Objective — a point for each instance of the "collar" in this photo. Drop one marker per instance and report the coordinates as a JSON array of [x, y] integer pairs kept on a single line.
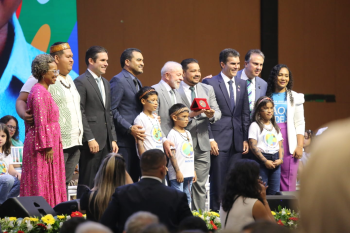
[[93, 74], [167, 87], [22, 55], [187, 87], [245, 77], [227, 79], [131, 75], [151, 177]]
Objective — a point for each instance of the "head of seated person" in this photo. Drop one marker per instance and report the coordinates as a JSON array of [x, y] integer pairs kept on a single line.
[[155, 228], [193, 223], [92, 227], [71, 225], [262, 226], [153, 163], [139, 221], [12, 125]]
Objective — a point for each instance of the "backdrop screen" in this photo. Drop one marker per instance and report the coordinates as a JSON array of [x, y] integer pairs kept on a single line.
[[27, 29]]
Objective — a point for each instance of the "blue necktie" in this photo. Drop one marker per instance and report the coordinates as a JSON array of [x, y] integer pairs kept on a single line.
[[232, 97]]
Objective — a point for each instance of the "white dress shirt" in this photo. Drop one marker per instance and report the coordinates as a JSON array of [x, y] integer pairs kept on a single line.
[[188, 92], [168, 88], [226, 80], [245, 77], [102, 85]]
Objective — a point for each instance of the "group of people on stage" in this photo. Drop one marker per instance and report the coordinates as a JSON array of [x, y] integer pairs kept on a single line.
[[83, 120]]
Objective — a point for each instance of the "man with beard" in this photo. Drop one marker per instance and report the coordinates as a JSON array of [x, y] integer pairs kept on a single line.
[[199, 126]]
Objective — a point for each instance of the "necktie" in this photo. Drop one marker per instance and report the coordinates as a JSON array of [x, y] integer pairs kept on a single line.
[[172, 96], [98, 80], [250, 96], [232, 97], [193, 94], [136, 84]]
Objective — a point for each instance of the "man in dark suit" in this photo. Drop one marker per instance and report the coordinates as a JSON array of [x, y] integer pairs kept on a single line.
[[126, 108], [95, 102], [149, 194], [256, 86], [231, 131], [199, 126]]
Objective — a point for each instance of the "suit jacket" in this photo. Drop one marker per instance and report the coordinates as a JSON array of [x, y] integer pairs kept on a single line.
[[199, 126], [233, 125], [96, 117], [150, 195], [164, 103], [125, 106], [260, 85]]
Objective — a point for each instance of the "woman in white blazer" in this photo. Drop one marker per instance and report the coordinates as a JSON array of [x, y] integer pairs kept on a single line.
[[289, 113]]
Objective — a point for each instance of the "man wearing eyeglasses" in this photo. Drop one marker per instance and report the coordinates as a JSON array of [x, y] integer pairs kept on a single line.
[[67, 99]]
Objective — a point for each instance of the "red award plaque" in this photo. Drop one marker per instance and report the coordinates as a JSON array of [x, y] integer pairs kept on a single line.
[[199, 104]]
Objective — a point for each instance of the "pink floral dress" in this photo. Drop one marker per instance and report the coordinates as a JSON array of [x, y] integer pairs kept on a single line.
[[39, 177]]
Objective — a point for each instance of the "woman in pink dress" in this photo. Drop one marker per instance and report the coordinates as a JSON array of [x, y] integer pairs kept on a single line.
[[43, 168]]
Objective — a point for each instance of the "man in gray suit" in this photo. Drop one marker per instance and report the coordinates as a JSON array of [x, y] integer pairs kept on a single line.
[[256, 86], [99, 136], [167, 94], [199, 126]]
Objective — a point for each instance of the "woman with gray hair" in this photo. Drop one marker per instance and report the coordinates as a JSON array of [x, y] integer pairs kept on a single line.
[[43, 168]]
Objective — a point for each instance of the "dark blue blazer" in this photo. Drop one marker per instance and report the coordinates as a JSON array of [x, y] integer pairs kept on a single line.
[[233, 125], [125, 106]]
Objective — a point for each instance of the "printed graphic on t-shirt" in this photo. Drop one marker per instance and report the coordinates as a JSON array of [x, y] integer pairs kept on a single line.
[[156, 134], [270, 140], [187, 150], [3, 168]]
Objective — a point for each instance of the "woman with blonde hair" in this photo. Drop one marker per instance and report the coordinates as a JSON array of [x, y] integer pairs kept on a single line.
[[111, 174]]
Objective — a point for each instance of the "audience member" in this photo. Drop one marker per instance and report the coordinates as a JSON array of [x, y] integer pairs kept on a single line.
[[149, 121], [231, 131], [199, 126], [263, 226], [92, 227], [171, 74], [265, 141], [244, 197], [125, 108], [193, 223], [12, 125], [9, 177], [156, 228], [43, 164], [95, 102], [149, 194], [139, 221], [324, 191], [289, 114], [181, 165], [71, 225], [67, 98], [308, 137], [112, 174]]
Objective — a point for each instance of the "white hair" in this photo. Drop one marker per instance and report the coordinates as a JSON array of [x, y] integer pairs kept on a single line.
[[139, 220], [170, 66], [92, 227]]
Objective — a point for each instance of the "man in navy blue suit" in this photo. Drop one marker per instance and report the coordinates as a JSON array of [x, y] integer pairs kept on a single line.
[[126, 108], [231, 131]]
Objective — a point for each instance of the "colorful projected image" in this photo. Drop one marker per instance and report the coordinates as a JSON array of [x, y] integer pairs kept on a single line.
[[27, 29]]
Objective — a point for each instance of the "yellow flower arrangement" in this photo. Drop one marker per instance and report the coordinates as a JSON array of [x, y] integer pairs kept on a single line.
[[34, 219], [61, 217], [12, 218], [48, 219], [273, 213], [215, 214]]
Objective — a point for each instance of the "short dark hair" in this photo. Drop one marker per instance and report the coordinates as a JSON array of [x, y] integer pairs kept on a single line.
[[151, 160], [71, 225], [143, 90], [253, 51], [224, 54], [187, 61], [155, 228], [127, 54], [174, 108], [58, 53], [193, 223], [92, 53], [263, 226], [6, 119]]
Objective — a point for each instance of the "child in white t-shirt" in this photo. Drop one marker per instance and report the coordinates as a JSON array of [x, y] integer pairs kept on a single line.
[[9, 177], [181, 165], [149, 121], [265, 141]]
